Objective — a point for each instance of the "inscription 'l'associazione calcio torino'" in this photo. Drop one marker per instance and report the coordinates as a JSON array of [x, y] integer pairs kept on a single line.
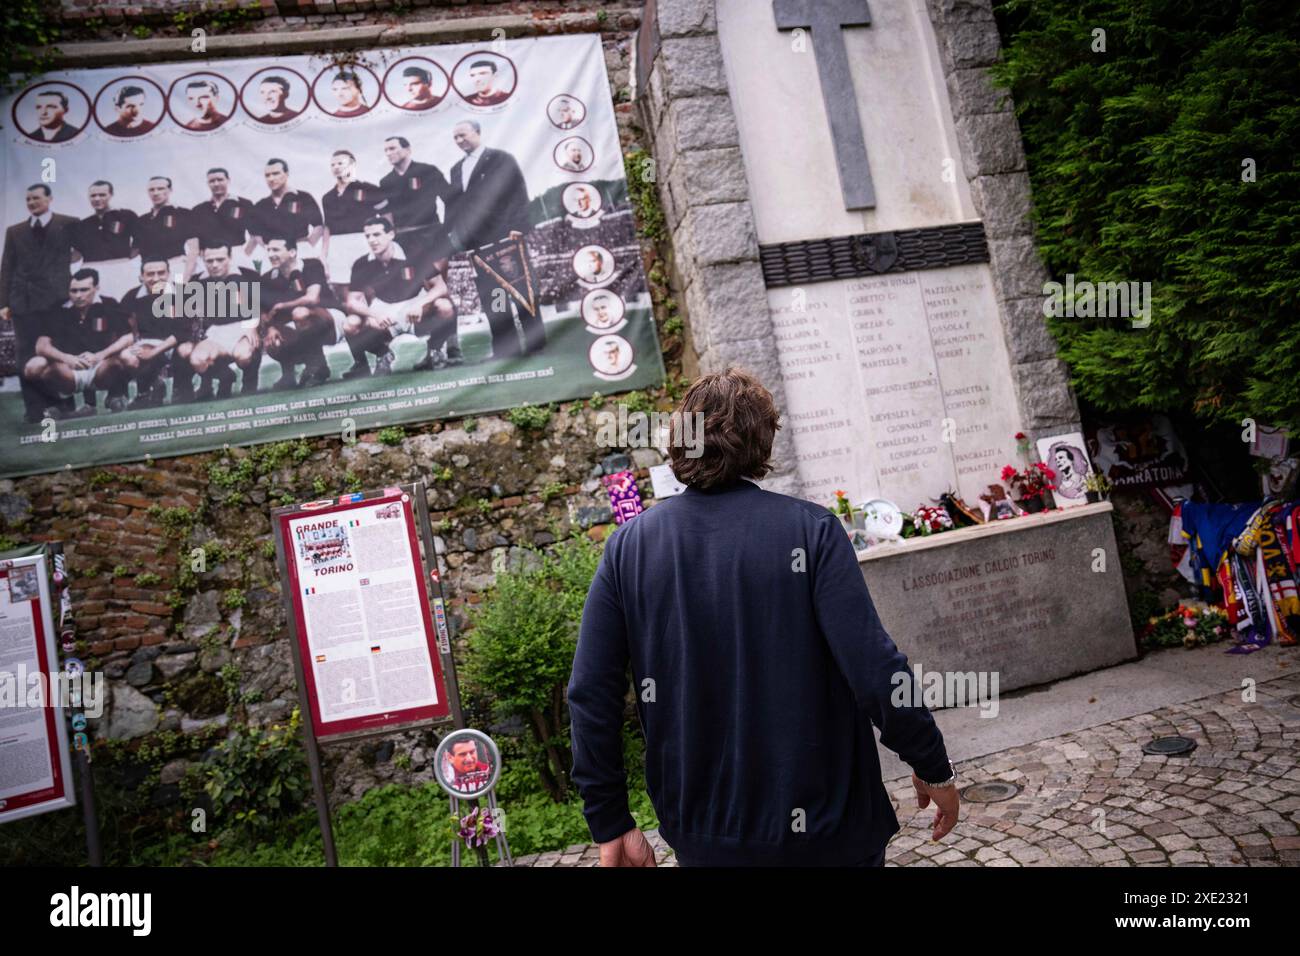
[[979, 570]]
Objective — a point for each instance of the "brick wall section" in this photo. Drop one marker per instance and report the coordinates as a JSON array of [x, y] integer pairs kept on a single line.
[[275, 15]]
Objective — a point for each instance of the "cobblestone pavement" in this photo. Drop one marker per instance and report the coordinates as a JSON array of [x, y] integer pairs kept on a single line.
[[1093, 798]]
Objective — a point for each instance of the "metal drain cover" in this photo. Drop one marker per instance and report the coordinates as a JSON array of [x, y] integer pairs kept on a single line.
[[995, 791], [1169, 746]]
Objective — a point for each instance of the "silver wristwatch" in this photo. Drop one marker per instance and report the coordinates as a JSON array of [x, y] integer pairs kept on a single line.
[[950, 782]]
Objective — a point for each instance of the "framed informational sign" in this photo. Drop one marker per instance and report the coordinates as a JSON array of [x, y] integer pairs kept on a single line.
[[363, 634], [35, 769]]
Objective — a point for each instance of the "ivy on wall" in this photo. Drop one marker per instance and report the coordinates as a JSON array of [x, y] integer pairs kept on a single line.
[[28, 29], [1169, 157]]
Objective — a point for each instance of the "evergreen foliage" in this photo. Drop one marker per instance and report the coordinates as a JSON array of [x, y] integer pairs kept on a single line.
[[1136, 163]]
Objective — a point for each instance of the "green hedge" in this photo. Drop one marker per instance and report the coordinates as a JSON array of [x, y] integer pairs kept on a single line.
[[1135, 159]]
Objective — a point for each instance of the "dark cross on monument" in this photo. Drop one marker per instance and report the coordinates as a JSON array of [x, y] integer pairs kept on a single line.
[[824, 19]]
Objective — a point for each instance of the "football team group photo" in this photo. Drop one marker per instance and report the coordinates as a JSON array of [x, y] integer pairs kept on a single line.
[[343, 219]]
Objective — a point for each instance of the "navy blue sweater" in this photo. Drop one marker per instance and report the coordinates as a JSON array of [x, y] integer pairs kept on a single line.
[[759, 665]]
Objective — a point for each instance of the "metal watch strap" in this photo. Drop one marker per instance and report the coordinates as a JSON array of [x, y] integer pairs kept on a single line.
[[950, 782]]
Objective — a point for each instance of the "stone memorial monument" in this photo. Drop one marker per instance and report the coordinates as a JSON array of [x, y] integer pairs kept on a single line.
[[849, 207]]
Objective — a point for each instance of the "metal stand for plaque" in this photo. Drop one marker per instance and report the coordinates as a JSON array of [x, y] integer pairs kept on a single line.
[[80, 755], [432, 581], [503, 846], [487, 792]]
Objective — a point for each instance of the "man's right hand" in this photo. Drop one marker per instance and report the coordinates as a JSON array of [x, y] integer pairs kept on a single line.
[[631, 849], [4, 313], [947, 805]]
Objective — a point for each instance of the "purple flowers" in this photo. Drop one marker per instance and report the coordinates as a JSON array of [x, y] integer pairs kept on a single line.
[[477, 827]]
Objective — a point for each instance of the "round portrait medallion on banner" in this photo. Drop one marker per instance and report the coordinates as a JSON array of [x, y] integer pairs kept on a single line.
[[346, 92], [611, 357], [467, 763], [275, 95], [201, 102], [574, 154], [51, 112], [485, 79], [582, 204], [416, 83], [594, 265], [129, 106], [603, 311], [566, 111]]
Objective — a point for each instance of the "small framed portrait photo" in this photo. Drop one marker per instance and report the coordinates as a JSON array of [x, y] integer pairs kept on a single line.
[[566, 111], [603, 311], [275, 95], [202, 102], [51, 112], [416, 83], [467, 763], [346, 91], [594, 265], [610, 356], [574, 154], [1068, 459], [582, 203], [130, 106], [485, 79]]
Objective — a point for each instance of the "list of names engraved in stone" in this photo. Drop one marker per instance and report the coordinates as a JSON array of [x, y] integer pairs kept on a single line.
[[897, 386]]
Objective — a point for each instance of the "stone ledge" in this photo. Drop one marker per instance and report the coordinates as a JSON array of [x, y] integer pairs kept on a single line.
[[407, 33], [959, 535]]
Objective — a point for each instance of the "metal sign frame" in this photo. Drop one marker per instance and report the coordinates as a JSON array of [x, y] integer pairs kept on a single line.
[[62, 795], [433, 609]]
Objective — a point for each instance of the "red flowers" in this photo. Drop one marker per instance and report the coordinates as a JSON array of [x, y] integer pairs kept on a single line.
[[1032, 482]]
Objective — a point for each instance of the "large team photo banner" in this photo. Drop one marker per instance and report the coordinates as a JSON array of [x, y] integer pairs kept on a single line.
[[225, 252]]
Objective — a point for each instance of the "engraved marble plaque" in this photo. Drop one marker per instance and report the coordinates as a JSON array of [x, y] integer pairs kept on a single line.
[[897, 386]]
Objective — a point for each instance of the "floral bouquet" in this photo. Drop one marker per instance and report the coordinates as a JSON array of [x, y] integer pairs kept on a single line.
[[1191, 624], [851, 518], [842, 507], [476, 828], [927, 519], [1032, 482]]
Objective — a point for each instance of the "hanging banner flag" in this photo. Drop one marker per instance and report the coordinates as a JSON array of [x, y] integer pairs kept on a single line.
[[237, 251], [624, 496]]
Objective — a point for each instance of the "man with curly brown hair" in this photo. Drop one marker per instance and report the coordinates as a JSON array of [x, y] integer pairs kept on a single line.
[[759, 663]]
